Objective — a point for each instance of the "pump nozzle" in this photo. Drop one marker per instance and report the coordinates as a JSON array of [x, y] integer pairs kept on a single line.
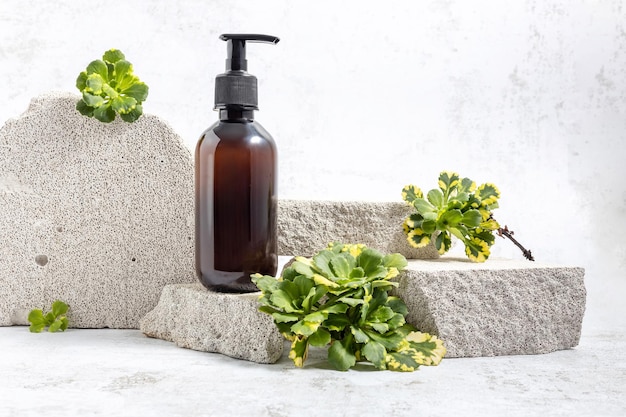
[[236, 60], [236, 87]]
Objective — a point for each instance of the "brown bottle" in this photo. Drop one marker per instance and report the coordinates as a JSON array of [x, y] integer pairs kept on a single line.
[[235, 183]]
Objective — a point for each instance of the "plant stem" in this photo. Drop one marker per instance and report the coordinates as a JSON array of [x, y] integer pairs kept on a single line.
[[505, 232]]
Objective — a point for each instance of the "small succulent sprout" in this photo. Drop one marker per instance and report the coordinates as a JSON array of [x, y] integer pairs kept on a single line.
[[457, 208], [109, 87], [55, 320]]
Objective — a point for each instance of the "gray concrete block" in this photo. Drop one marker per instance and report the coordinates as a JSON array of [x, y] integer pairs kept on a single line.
[[500, 307], [306, 227], [193, 317], [97, 215]]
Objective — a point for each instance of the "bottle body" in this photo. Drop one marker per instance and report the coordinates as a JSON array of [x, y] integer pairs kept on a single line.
[[235, 203]]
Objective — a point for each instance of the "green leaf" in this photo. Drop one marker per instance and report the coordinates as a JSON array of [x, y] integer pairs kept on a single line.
[[448, 181], [352, 302], [418, 239], [316, 317], [477, 250], [335, 308], [94, 84], [305, 328], [341, 266], [443, 242], [109, 91], [357, 272], [98, 67], [36, 317], [381, 314], [320, 338], [451, 218], [133, 115], [425, 349], [390, 340], [64, 323], [336, 322], [321, 261], [359, 335], [375, 353], [104, 113], [49, 318], [370, 260], [81, 80], [303, 269], [410, 193], [414, 220], [303, 285], [113, 55], [320, 280], [340, 356], [423, 206], [36, 328], [285, 318], [467, 186], [123, 105], [429, 226], [461, 197], [380, 327], [59, 308], [395, 260], [401, 361], [121, 68], [282, 300], [299, 350], [397, 305], [472, 218], [138, 91], [84, 109], [265, 283], [396, 321], [92, 101], [487, 194], [55, 326], [435, 196]]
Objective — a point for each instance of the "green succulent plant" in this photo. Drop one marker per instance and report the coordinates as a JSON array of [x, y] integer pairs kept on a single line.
[[457, 208], [55, 320], [341, 297], [109, 87]]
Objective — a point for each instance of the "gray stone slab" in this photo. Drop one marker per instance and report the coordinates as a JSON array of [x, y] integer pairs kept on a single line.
[[98, 215], [500, 307], [193, 317], [306, 227]]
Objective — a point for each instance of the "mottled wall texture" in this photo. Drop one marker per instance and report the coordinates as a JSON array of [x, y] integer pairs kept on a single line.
[[365, 97]]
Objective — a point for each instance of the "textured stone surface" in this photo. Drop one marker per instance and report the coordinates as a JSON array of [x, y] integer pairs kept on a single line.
[[306, 227], [501, 307], [98, 215], [195, 318]]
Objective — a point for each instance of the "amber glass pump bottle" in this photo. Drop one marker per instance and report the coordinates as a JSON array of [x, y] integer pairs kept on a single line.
[[236, 182]]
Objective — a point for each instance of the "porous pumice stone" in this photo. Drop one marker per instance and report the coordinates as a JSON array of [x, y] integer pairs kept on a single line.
[[305, 227], [97, 215], [193, 317], [500, 307]]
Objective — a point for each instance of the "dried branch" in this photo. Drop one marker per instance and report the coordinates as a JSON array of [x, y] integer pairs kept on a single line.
[[505, 232]]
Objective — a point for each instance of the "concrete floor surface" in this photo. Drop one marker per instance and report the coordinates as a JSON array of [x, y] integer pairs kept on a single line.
[[123, 373]]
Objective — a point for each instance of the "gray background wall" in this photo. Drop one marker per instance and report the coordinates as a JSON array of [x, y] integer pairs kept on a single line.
[[365, 97]]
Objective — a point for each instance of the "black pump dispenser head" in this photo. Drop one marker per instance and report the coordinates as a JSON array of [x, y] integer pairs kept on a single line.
[[236, 87]]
